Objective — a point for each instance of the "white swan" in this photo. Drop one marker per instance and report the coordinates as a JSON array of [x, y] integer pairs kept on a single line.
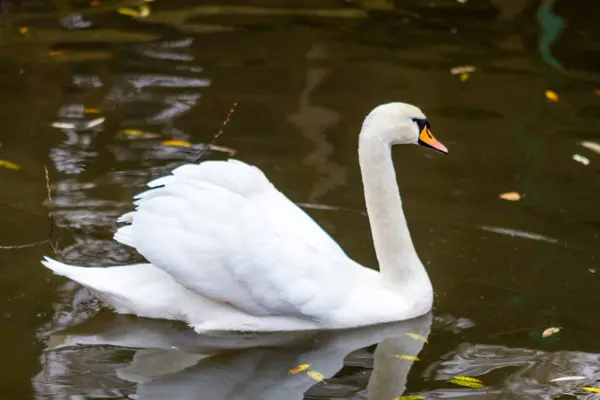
[[229, 252]]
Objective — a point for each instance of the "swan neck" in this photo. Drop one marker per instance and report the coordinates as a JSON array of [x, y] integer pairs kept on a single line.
[[398, 260]]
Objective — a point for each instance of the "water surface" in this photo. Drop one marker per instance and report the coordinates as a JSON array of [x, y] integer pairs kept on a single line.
[[304, 74]]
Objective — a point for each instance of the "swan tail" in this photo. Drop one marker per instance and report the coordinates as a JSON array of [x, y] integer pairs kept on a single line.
[[140, 289]]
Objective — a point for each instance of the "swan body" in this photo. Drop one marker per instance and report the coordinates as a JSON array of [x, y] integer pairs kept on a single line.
[[227, 251]]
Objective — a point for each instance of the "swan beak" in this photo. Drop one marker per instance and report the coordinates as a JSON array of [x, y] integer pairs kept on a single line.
[[426, 139]]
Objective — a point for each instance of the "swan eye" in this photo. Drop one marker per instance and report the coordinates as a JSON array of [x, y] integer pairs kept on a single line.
[[421, 123]]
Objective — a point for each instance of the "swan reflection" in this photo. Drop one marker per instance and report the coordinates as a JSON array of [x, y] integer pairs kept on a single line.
[[152, 359]]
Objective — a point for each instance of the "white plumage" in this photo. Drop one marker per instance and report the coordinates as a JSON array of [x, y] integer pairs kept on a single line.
[[228, 251]]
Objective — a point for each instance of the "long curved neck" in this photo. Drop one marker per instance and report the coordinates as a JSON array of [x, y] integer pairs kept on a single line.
[[398, 260]]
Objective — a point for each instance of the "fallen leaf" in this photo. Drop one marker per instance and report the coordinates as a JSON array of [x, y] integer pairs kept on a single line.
[[95, 3], [552, 96], [593, 146], [177, 143], [9, 165], [407, 357], [298, 369], [550, 331], [462, 69], [144, 10], [55, 53], [409, 398], [63, 125], [416, 336], [568, 378], [597, 91], [467, 381], [592, 389], [581, 159], [91, 110], [23, 30], [317, 376], [95, 122], [139, 133], [128, 11], [510, 196], [222, 149], [464, 76]]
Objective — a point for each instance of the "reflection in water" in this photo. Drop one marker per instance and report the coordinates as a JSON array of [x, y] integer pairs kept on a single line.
[[313, 122], [168, 360]]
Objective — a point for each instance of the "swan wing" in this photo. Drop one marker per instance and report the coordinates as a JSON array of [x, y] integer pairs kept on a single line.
[[221, 229]]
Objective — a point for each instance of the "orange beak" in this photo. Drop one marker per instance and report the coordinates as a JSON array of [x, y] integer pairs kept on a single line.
[[426, 139]]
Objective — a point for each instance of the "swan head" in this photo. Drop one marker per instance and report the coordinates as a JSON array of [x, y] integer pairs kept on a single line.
[[400, 123]]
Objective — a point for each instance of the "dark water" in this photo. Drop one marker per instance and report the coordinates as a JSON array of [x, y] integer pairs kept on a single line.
[[304, 74]]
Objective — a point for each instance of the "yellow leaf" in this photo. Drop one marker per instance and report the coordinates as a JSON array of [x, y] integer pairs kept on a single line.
[[510, 196], [409, 398], [551, 95], [298, 369], [91, 111], [597, 91], [467, 381], [54, 53], [9, 165], [95, 3], [593, 146], [464, 76], [407, 357], [23, 30], [462, 69], [179, 143], [592, 389], [416, 336], [128, 11], [550, 331], [144, 10], [467, 378], [317, 376]]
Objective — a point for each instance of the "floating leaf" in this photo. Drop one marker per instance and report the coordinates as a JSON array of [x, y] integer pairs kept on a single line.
[[317, 376], [462, 69], [407, 357], [89, 110], [416, 336], [597, 91], [139, 133], [593, 146], [551, 95], [464, 76], [95, 3], [128, 11], [510, 196], [54, 53], [592, 389], [222, 149], [63, 125], [177, 143], [23, 30], [299, 368], [9, 165], [581, 159], [95, 122], [550, 331], [144, 10], [568, 378], [409, 398], [467, 381]]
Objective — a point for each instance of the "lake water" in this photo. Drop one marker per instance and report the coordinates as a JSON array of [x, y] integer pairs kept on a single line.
[[92, 94]]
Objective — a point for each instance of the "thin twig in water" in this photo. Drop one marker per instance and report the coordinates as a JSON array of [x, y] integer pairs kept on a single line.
[[212, 145], [52, 225], [227, 119], [50, 214]]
